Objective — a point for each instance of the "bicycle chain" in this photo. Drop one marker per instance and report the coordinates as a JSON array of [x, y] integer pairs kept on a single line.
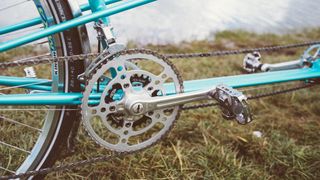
[[149, 52], [241, 51], [48, 60]]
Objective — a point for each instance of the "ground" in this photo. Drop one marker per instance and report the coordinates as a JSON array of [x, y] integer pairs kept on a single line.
[[203, 145]]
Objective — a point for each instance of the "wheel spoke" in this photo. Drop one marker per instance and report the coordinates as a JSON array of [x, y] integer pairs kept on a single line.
[[6, 169], [14, 147], [25, 85], [19, 123], [33, 57], [41, 43]]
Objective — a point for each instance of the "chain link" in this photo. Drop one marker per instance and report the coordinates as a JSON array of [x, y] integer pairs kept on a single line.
[[241, 51], [48, 60], [61, 167]]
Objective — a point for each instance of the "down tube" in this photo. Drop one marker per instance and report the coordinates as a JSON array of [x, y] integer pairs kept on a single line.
[[190, 86]]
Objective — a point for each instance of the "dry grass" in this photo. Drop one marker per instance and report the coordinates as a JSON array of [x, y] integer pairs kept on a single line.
[[204, 146]]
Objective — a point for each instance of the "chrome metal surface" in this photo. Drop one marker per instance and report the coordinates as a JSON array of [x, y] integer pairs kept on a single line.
[[251, 62], [282, 66], [126, 131], [105, 33], [233, 104], [148, 104], [311, 54]]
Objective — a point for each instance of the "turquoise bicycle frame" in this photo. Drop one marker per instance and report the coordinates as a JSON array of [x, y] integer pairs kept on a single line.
[[101, 11]]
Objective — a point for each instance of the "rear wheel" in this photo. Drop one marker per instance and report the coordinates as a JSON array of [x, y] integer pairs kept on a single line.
[[57, 130]]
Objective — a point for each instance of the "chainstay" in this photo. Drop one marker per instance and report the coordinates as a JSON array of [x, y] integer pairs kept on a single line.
[[48, 60]]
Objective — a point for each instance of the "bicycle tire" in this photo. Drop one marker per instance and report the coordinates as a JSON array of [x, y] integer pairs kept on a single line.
[[60, 126]]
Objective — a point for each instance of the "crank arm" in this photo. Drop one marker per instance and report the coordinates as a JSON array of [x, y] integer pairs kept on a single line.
[[232, 102], [139, 107], [282, 66], [252, 63]]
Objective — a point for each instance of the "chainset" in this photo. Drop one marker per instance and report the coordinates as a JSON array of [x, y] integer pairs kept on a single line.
[[105, 115]]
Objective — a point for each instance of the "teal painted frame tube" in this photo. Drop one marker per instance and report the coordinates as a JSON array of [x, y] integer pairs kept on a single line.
[[87, 7], [37, 21], [99, 5], [26, 83], [20, 26], [121, 7], [238, 81], [96, 6]]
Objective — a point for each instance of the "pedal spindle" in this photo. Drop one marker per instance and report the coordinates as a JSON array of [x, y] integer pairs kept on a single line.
[[233, 104]]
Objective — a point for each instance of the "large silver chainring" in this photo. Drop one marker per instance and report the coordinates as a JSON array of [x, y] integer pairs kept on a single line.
[[122, 132]]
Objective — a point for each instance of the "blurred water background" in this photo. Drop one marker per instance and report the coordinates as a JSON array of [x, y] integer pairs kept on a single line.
[[173, 21]]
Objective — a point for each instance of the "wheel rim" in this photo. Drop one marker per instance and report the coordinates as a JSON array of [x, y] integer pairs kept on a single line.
[[45, 140]]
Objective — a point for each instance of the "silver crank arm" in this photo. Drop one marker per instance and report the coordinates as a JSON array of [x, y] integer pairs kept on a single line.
[[282, 66], [153, 103], [232, 102], [252, 63]]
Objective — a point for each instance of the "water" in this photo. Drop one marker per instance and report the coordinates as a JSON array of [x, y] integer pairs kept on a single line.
[[179, 20], [174, 21]]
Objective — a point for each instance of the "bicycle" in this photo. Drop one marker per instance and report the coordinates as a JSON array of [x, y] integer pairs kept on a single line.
[[129, 99]]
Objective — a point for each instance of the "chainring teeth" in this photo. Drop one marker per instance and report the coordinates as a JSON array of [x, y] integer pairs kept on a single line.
[[146, 122]]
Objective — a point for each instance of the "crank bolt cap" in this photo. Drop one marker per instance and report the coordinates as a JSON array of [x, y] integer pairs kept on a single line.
[[137, 108]]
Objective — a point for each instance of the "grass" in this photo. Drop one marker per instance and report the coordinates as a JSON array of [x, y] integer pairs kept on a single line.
[[202, 145]]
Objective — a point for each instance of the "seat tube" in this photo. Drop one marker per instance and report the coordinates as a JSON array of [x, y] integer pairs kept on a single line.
[[98, 5]]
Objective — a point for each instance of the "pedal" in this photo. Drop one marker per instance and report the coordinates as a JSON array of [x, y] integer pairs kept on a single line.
[[233, 104], [252, 62]]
